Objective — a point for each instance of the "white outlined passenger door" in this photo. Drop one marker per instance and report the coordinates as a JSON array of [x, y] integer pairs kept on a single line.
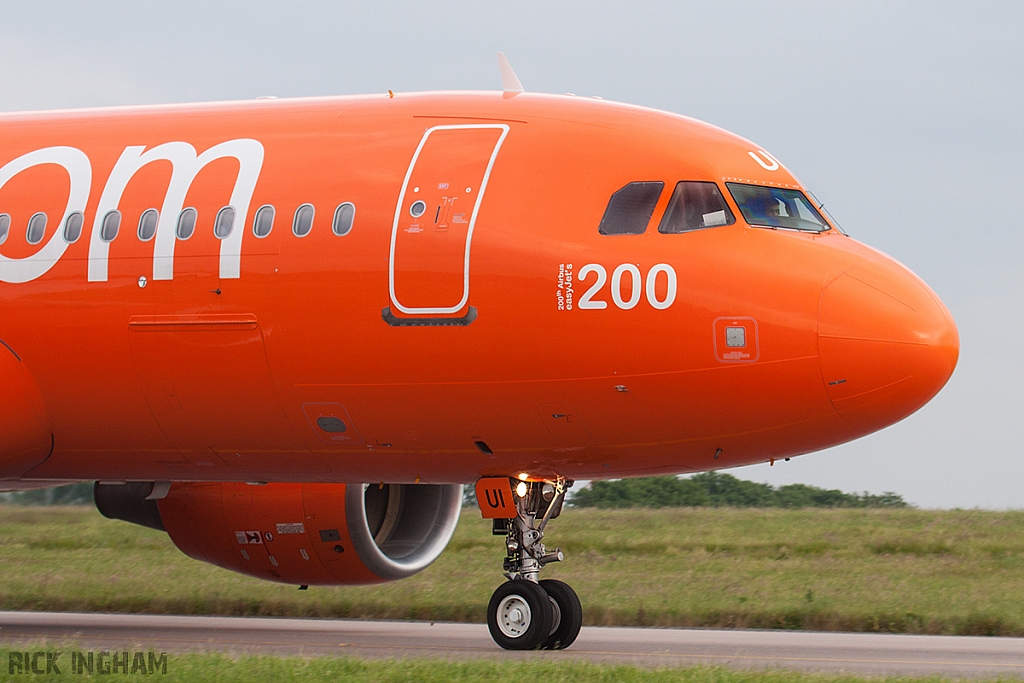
[[428, 276]]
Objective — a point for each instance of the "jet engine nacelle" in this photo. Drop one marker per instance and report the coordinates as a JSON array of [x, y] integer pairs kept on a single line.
[[305, 534]]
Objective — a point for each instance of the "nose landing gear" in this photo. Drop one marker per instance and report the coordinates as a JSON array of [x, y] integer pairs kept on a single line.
[[526, 613]]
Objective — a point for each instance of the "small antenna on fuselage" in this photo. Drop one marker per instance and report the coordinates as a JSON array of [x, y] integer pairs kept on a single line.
[[509, 81]]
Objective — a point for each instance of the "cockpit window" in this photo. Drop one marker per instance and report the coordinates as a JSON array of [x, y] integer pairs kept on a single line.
[[825, 212], [695, 205], [630, 208], [774, 207]]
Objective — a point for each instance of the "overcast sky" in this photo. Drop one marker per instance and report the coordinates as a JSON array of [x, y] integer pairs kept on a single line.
[[905, 118]]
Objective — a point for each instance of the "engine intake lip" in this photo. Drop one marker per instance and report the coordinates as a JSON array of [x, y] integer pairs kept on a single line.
[[423, 519]]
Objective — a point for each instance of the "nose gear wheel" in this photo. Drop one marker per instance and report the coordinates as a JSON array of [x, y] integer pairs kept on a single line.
[[519, 615], [570, 613]]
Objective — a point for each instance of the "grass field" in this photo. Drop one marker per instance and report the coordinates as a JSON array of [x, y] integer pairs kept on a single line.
[[225, 669], [955, 572]]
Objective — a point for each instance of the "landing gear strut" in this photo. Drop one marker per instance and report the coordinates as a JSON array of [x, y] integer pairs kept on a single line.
[[526, 613]]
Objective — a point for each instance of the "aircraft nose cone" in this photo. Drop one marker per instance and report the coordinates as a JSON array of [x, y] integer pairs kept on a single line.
[[886, 344]]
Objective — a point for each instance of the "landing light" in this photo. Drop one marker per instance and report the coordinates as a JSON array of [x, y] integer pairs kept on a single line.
[[521, 489]]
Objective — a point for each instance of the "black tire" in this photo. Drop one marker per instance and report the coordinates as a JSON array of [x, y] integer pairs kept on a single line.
[[570, 617], [519, 615]]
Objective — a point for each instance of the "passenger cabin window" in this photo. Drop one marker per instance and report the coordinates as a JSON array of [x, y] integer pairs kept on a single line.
[[263, 223], [344, 216], [303, 222], [186, 223], [36, 228], [5, 226], [630, 208], [73, 227], [110, 226], [774, 207], [147, 224], [224, 223], [695, 205]]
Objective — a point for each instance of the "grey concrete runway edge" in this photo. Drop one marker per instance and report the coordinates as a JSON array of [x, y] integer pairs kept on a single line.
[[864, 653]]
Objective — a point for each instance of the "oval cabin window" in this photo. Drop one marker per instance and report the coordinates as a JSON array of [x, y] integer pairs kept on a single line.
[[110, 226], [147, 224], [344, 216], [73, 227], [186, 223], [36, 228], [303, 222], [263, 223], [224, 223]]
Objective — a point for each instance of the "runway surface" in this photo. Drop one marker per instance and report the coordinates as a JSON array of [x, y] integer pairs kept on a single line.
[[854, 652]]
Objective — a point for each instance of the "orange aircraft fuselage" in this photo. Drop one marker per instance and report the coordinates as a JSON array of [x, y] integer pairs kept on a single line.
[[452, 311]]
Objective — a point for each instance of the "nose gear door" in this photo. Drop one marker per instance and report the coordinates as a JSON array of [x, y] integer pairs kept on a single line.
[[428, 274]]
